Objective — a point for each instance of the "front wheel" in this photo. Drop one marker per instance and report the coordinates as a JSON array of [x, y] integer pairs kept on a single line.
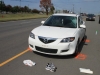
[[76, 49]]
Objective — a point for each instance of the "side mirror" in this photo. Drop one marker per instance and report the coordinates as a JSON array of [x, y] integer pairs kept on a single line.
[[83, 22], [82, 26], [42, 22]]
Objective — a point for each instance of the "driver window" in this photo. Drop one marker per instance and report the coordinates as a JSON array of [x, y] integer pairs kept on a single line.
[[79, 22]]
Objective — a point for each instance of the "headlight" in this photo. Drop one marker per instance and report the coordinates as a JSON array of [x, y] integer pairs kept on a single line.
[[70, 39], [32, 35]]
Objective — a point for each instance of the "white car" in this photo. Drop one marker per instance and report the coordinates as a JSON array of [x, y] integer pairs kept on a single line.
[[60, 34]]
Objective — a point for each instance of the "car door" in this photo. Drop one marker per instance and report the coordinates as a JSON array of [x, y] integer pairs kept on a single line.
[[81, 30]]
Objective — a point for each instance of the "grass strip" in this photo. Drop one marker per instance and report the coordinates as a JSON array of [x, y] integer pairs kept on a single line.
[[21, 16]]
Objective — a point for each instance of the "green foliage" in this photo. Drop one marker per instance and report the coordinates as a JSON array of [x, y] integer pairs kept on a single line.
[[15, 9], [8, 8], [35, 11], [52, 9], [2, 6]]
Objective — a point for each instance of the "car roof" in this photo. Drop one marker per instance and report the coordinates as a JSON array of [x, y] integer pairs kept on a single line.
[[65, 14]]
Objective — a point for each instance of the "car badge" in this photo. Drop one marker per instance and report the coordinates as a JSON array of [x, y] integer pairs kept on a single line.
[[45, 40]]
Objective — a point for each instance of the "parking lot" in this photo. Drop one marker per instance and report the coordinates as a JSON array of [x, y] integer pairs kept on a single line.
[[14, 50]]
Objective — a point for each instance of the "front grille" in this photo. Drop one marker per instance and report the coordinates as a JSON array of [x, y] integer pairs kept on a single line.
[[49, 41], [46, 50], [46, 40]]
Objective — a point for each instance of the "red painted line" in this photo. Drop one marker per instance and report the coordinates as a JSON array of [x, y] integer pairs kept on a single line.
[[14, 57], [81, 56], [29, 49], [86, 41]]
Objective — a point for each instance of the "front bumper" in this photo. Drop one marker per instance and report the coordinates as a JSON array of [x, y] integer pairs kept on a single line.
[[55, 48], [90, 19]]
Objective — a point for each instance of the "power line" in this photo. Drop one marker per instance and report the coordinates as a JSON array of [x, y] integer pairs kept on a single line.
[[23, 1], [77, 2]]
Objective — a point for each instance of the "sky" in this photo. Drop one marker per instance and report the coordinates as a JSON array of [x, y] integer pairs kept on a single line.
[[87, 6]]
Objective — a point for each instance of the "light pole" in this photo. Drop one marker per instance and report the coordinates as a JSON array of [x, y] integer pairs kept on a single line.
[[20, 3], [73, 8], [80, 10]]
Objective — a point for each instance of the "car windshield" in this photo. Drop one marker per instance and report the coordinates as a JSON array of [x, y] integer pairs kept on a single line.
[[61, 21]]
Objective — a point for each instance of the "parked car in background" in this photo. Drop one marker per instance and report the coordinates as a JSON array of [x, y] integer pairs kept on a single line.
[[60, 34], [90, 17]]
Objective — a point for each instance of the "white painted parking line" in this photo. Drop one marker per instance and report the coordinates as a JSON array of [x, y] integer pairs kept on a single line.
[[83, 70]]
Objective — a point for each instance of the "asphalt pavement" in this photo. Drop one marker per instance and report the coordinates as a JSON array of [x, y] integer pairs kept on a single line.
[[14, 44]]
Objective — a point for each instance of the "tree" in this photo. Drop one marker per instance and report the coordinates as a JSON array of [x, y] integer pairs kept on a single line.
[[35, 11], [8, 8], [16, 9], [22, 9], [2, 6], [46, 4], [52, 8], [26, 9]]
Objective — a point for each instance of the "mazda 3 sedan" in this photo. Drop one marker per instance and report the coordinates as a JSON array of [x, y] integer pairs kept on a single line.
[[60, 34]]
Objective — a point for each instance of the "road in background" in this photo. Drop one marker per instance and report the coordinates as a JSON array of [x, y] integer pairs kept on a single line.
[[14, 39]]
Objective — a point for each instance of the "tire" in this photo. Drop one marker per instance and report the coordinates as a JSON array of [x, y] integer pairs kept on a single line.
[[76, 49], [84, 37]]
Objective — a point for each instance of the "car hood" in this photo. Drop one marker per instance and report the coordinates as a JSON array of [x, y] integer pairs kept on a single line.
[[54, 32]]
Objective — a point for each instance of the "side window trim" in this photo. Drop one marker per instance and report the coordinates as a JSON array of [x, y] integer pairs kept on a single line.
[[79, 22]]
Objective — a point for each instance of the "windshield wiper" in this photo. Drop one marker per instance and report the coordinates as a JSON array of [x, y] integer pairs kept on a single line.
[[59, 26], [46, 25]]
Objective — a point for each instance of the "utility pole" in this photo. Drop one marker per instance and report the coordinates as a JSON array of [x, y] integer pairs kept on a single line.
[[20, 3], [80, 10], [28, 5], [73, 8]]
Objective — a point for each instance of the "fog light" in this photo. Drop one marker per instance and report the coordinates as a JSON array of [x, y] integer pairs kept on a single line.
[[31, 45], [64, 50]]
